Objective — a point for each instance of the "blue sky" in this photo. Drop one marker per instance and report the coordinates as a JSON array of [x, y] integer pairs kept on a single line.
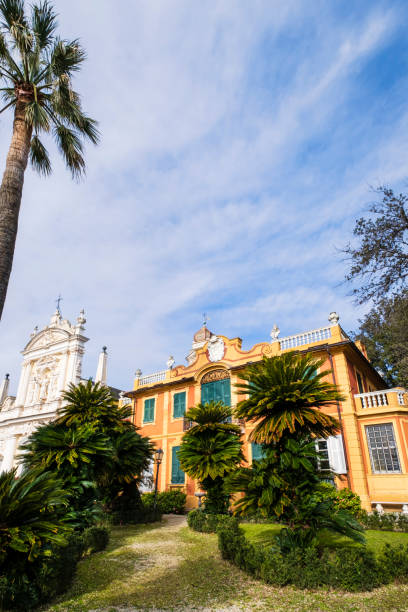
[[239, 143]]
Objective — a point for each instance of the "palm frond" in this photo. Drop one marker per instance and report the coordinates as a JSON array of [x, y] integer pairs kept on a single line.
[[285, 396], [39, 158], [8, 66], [7, 106], [36, 68], [71, 148], [66, 103], [43, 23], [16, 23], [212, 447], [66, 57], [36, 115]]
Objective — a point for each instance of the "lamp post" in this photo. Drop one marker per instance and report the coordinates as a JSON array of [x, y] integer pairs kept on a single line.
[[158, 455]]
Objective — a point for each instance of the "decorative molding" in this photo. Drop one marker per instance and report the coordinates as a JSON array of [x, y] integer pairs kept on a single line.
[[216, 349], [267, 350], [213, 375]]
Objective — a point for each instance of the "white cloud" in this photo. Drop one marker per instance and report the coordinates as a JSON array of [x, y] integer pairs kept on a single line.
[[223, 182]]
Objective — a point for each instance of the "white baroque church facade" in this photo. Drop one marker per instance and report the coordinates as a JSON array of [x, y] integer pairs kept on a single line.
[[52, 359]]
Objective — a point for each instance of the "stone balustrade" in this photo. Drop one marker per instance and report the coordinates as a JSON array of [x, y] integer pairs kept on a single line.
[[150, 379], [393, 398], [315, 335]]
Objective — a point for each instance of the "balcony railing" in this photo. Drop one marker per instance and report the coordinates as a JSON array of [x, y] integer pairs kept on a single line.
[[315, 335], [385, 397], [187, 424], [152, 378]]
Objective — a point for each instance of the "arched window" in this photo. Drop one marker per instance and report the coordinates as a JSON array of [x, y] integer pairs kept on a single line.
[[216, 387]]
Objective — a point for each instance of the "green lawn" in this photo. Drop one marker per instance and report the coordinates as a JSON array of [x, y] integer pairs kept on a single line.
[[265, 533], [169, 567]]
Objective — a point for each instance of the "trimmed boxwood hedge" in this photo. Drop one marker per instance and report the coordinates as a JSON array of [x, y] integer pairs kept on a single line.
[[349, 569], [389, 521], [45, 578], [206, 523]]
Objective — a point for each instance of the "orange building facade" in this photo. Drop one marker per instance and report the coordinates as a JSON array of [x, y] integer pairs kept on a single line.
[[370, 453]]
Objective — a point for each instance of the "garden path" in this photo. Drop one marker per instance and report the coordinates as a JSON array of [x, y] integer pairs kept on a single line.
[[166, 566]]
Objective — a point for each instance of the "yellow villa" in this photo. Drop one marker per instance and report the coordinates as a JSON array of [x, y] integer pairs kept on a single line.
[[370, 453]]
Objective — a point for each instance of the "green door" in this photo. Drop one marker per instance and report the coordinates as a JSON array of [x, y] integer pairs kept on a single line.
[[216, 391]]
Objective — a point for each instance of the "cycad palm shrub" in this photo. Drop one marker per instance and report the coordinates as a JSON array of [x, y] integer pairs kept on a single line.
[[79, 456], [210, 450], [30, 516], [285, 395], [93, 403], [36, 70], [96, 450]]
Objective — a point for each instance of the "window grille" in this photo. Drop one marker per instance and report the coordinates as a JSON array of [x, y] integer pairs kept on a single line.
[[323, 455], [382, 448]]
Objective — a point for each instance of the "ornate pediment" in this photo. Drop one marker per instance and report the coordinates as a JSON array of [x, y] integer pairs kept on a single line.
[[47, 338]]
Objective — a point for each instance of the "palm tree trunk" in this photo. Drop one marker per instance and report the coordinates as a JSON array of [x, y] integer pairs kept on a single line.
[[10, 195]]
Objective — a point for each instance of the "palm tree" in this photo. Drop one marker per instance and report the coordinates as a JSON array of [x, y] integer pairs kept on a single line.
[[30, 517], [93, 403], [80, 456], [57, 448], [285, 397], [211, 449], [36, 69], [285, 484]]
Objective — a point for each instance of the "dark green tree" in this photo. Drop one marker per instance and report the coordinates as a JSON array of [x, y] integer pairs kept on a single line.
[[210, 450], [379, 258], [384, 332], [36, 68], [285, 397]]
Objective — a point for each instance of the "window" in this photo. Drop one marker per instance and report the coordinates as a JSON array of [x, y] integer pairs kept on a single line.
[[148, 415], [179, 405], [382, 448], [359, 383], [216, 391], [323, 458], [257, 451], [177, 474]]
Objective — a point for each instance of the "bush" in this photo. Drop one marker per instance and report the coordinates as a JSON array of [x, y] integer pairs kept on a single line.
[[344, 499], [350, 569], [44, 578], [167, 502], [128, 508], [95, 539], [204, 522], [390, 521]]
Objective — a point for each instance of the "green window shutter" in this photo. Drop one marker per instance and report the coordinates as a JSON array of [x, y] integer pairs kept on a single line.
[[148, 415], [179, 405], [257, 451], [217, 391], [177, 474]]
